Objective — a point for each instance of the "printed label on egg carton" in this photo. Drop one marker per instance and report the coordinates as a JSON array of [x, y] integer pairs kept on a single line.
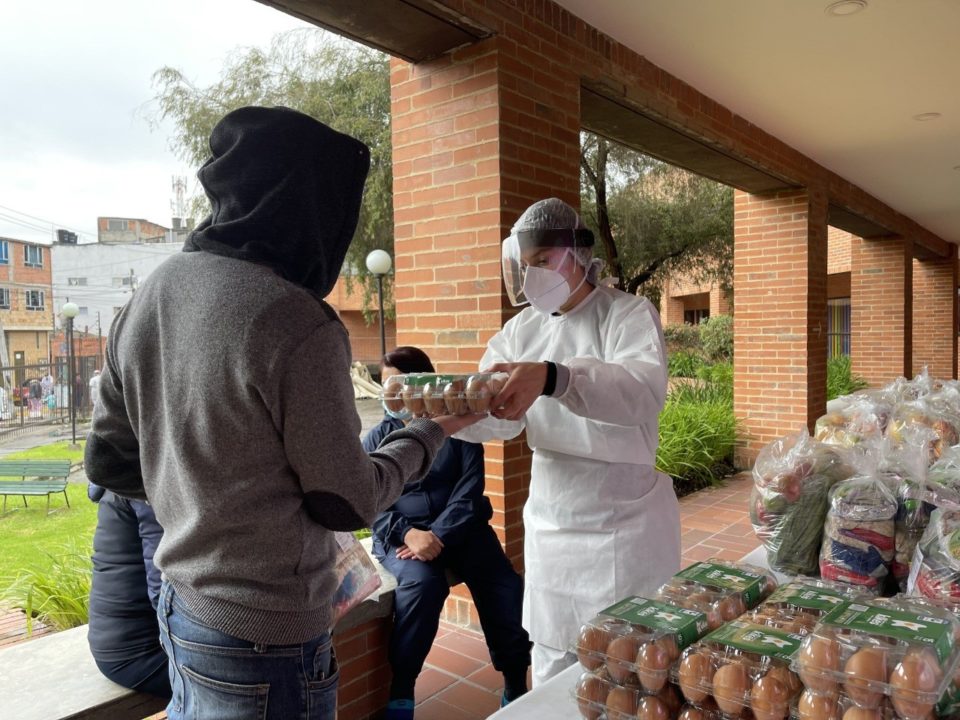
[[808, 596], [687, 625], [752, 584], [758, 639], [598, 697]]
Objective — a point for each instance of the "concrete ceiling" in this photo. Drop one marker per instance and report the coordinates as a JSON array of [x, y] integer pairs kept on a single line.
[[842, 89]]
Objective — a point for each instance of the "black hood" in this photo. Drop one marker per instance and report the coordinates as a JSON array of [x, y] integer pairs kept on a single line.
[[285, 191]]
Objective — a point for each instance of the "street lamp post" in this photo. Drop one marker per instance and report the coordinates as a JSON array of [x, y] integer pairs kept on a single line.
[[379, 263], [70, 311]]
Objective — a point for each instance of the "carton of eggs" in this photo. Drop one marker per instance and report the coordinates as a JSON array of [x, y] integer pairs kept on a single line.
[[741, 669], [433, 394], [797, 606], [721, 590], [599, 698], [896, 658], [637, 641]]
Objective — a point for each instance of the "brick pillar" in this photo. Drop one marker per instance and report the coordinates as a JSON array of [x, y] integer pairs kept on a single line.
[[478, 135], [881, 308], [935, 316], [780, 275], [719, 301], [672, 306]]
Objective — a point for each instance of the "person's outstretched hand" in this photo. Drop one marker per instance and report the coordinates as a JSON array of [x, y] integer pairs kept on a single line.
[[523, 387], [452, 424], [419, 545]]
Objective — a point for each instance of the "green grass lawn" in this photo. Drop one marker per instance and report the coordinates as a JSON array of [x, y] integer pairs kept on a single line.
[[53, 451]]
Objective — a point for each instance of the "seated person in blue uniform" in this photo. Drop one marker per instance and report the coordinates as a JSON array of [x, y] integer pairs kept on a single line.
[[124, 634], [438, 523]]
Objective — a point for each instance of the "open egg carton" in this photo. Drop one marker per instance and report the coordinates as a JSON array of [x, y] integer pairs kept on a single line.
[[894, 658], [600, 698], [637, 641], [433, 394], [722, 590], [797, 606], [739, 670]]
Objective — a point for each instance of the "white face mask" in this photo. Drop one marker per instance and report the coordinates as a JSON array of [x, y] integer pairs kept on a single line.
[[548, 290]]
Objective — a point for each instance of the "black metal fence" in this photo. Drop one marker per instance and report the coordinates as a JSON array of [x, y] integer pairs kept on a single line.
[[32, 396]]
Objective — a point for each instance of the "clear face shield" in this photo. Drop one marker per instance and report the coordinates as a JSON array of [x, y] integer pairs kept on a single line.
[[524, 248]]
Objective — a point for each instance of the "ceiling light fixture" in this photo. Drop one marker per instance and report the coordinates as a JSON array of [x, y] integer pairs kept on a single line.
[[923, 117], [842, 8]]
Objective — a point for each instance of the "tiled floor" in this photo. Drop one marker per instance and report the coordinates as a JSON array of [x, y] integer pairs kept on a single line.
[[458, 682]]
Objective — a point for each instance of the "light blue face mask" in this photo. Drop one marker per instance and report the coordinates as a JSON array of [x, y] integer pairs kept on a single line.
[[396, 414]]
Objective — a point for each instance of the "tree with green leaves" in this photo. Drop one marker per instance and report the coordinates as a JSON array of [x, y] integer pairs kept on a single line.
[[344, 85], [653, 219]]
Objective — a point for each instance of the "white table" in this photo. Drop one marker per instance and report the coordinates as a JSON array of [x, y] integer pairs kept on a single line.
[[554, 699]]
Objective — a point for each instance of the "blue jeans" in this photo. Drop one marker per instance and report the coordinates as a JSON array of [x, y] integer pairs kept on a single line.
[[215, 676]]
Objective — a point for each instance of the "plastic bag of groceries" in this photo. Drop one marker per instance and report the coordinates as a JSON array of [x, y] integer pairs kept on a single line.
[[854, 419], [943, 480], [791, 479], [859, 532], [935, 572], [911, 419]]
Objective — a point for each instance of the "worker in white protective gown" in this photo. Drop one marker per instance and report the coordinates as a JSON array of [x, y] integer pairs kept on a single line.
[[588, 378]]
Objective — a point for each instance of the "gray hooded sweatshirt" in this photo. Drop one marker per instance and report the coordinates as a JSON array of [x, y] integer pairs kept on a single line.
[[226, 399]]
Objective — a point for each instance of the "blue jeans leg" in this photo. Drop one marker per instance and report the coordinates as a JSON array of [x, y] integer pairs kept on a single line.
[[215, 676]]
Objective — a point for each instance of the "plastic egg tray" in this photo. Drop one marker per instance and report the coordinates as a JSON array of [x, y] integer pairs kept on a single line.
[[797, 606], [637, 641], [741, 667], [599, 698], [723, 591], [433, 394], [900, 652]]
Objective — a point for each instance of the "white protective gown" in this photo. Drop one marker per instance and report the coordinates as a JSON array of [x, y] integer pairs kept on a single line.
[[600, 523]]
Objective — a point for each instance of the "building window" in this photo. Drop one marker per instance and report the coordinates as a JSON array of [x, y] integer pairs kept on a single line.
[[695, 317], [4, 253], [32, 256], [4, 299], [84, 310], [838, 327], [34, 299], [76, 281], [125, 281], [116, 225]]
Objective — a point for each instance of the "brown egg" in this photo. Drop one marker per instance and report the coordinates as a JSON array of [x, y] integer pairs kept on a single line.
[[433, 399], [731, 607], [653, 665], [859, 713], [591, 694], [694, 673], [495, 384], [591, 646], [914, 683], [453, 397], [392, 387], [813, 706], [731, 687], [817, 661], [866, 672], [786, 676], [650, 708], [671, 698], [769, 699], [621, 654], [412, 400], [621, 704], [478, 396], [691, 712]]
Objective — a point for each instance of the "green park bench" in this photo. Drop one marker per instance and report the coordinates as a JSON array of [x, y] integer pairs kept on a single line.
[[33, 477]]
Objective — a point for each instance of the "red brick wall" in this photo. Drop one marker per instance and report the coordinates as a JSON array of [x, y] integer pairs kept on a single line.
[[365, 339], [364, 671], [934, 317], [780, 275], [881, 300], [838, 256]]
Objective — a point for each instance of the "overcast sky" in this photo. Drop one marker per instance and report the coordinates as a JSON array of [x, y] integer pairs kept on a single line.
[[75, 89]]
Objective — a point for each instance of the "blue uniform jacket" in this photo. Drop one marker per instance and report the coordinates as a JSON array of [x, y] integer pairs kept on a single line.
[[448, 501]]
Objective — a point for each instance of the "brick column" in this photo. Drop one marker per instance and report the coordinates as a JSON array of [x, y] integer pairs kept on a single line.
[[478, 135], [935, 316], [780, 276], [719, 301], [672, 306], [881, 308]]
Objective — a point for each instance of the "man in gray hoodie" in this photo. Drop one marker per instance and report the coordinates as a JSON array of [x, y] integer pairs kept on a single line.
[[225, 401]]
